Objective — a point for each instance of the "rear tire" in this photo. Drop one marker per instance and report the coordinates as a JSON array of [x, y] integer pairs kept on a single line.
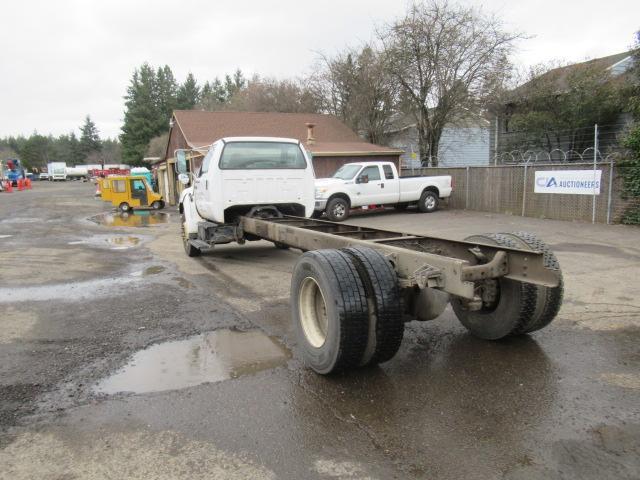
[[512, 309], [124, 207], [428, 201], [329, 311], [549, 298], [386, 326], [337, 209]]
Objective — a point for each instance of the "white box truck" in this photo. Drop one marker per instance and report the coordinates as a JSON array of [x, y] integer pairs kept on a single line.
[[57, 171]]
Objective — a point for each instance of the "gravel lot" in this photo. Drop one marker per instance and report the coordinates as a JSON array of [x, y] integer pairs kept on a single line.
[[79, 300]]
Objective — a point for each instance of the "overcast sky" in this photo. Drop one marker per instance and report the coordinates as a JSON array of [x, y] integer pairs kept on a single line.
[[61, 60]]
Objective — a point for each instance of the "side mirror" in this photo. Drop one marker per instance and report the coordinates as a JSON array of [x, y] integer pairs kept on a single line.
[[181, 161], [184, 179]]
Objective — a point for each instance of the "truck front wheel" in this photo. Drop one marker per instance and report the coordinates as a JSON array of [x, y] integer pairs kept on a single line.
[[330, 311], [337, 209], [189, 249]]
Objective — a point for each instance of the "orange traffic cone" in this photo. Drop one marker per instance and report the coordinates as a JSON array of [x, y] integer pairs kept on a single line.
[[9, 186], [27, 183], [20, 185]]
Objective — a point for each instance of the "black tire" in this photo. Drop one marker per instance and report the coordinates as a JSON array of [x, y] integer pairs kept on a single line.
[[329, 311], [317, 214], [428, 202], [157, 205], [513, 309], [281, 246], [401, 206], [386, 326], [549, 298], [337, 209], [124, 207], [189, 249]]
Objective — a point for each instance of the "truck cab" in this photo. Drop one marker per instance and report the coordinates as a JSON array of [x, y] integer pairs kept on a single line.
[[240, 173]]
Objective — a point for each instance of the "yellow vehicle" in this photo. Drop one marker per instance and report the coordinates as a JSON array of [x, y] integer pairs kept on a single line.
[[129, 192]]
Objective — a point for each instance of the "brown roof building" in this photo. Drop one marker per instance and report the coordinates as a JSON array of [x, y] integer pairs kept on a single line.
[[330, 141]]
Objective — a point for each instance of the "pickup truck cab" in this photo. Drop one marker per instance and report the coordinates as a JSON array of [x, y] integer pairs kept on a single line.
[[365, 184]]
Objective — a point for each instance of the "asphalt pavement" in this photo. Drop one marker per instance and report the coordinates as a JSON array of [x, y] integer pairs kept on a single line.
[[120, 357]]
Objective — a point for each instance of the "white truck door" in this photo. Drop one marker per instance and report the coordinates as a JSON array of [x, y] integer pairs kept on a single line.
[[371, 192], [390, 185]]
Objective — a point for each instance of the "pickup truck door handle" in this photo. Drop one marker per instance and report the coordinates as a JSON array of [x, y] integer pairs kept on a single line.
[[206, 184], [382, 185]]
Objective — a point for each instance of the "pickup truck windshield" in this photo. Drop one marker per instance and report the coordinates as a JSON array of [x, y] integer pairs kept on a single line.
[[347, 172], [261, 156]]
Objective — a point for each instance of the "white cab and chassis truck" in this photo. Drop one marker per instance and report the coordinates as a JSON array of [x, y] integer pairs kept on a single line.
[[377, 183], [354, 287]]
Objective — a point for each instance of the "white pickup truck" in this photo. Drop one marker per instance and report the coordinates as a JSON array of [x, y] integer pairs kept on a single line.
[[377, 183]]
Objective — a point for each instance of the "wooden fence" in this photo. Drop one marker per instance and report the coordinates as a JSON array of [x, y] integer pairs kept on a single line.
[[509, 189]]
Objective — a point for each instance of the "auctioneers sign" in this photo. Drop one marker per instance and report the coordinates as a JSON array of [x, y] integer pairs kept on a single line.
[[580, 182]]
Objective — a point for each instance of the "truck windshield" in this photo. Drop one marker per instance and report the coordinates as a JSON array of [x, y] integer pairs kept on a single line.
[[261, 156], [347, 172]]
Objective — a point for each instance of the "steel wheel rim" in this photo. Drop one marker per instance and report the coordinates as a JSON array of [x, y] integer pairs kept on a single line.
[[313, 313], [429, 202], [339, 210]]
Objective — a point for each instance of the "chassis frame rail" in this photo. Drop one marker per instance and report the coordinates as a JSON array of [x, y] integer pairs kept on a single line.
[[420, 261]]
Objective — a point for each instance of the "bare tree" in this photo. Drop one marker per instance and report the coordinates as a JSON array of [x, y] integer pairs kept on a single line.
[[356, 87], [272, 95], [447, 60]]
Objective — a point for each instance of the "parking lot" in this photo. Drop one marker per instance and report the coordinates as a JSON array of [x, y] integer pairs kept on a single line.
[[96, 304]]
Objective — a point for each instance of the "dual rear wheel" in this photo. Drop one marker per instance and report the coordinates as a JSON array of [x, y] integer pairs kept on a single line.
[[347, 311], [346, 308]]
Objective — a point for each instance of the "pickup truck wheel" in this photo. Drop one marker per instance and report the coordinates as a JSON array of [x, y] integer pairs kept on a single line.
[[386, 327], [549, 298], [124, 207], [507, 305], [337, 209], [329, 311], [428, 201], [189, 249]]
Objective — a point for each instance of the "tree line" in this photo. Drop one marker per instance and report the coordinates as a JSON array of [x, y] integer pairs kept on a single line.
[[36, 150], [439, 64]]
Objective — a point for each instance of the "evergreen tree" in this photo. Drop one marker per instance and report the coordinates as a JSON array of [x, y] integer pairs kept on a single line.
[[166, 89], [143, 119], [89, 139], [188, 93]]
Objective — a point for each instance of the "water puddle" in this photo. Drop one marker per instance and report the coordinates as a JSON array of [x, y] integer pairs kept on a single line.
[[209, 357], [153, 270], [113, 243], [5, 236], [21, 220], [142, 218]]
